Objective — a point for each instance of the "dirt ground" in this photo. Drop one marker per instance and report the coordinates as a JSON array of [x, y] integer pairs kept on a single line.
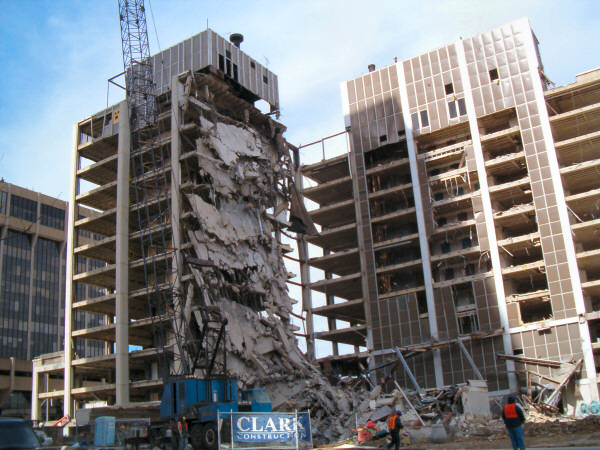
[[563, 432], [539, 432]]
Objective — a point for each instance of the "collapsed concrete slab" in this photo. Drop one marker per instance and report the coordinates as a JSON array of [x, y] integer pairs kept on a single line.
[[244, 180]]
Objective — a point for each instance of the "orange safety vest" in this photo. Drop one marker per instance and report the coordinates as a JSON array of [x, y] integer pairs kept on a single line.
[[392, 421], [510, 411]]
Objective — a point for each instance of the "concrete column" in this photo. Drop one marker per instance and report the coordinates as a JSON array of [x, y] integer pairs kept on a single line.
[[589, 392], [176, 263], [35, 391], [68, 407], [423, 238], [122, 259], [487, 212], [303, 258], [306, 296]]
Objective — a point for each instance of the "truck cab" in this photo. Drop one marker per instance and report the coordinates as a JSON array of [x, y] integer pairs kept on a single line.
[[255, 400]]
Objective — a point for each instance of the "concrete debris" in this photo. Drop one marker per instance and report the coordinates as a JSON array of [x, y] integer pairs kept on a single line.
[[243, 175]]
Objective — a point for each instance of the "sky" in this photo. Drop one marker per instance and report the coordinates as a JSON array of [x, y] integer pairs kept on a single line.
[[56, 57]]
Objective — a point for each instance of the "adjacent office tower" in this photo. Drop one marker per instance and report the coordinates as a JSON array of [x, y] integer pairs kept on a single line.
[[467, 209], [32, 285]]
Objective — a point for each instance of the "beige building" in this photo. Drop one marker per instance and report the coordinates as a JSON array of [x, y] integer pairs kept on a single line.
[[32, 286], [466, 210]]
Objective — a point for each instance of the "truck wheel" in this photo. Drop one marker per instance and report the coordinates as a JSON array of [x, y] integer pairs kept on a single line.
[[210, 436], [196, 434]]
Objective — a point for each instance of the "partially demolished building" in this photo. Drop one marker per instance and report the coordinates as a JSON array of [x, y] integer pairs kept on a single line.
[[229, 179], [463, 222]]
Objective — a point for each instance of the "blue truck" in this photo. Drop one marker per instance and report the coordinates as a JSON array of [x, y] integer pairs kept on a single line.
[[195, 404]]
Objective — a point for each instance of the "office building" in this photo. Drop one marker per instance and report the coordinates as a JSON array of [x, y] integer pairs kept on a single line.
[[466, 209], [32, 273], [191, 215]]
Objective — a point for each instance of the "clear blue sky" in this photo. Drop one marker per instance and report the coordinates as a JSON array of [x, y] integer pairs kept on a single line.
[[56, 57]]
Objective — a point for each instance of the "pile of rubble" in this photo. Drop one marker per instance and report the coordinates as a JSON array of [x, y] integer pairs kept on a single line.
[[243, 184]]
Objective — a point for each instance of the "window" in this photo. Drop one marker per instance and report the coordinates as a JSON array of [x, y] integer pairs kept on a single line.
[[422, 302], [449, 274], [23, 208], [493, 74], [415, 121], [228, 53], [461, 217], [3, 201], [469, 270], [459, 191], [252, 65], [265, 79], [442, 221], [535, 310], [457, 104], [424, 118], [445, 247], [222, 63], [52, 217], [383, 138], [452, 110], [449, 88], [462, 107], [466, 243], [467, 322], [438, 196]]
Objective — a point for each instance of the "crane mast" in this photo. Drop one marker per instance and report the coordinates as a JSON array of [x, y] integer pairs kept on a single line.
[[178, 352]]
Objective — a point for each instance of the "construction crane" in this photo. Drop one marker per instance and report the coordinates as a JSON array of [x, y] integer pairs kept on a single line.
[[182, 350]]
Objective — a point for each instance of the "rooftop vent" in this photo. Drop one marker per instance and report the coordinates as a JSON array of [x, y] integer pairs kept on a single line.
[[236, 39], [371, 67]]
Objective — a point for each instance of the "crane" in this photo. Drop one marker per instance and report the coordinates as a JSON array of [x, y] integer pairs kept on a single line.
[[183, 349]]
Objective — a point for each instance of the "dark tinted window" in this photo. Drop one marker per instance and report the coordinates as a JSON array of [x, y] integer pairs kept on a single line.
[[15, 434]]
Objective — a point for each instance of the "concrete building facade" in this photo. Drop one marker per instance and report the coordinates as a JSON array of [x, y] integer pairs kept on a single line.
[[32, 286], [208, 131], [466, 210]]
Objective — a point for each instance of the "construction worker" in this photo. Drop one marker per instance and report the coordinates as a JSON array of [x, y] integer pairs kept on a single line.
[[394, 427], [513, 417]]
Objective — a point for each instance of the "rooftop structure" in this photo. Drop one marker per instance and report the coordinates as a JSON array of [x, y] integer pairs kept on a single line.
[[462, 224]]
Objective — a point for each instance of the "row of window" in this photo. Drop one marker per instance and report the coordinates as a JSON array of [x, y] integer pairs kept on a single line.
[[26, 209], [456, 107]]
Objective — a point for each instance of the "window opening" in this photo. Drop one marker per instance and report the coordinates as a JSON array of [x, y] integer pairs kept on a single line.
[[422, 302], [449, 88], [493, 74], [452, 110], [383, 138], [462, 107], [468, 322], [221, 63], [415, 121], [438, 196], [449, 274], [445, 247], [265, 79], [466, 243], [424, 118], [252, 65], [535, 310]]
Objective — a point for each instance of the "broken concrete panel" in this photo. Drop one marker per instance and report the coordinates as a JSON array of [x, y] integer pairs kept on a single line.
[[241, 176]]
